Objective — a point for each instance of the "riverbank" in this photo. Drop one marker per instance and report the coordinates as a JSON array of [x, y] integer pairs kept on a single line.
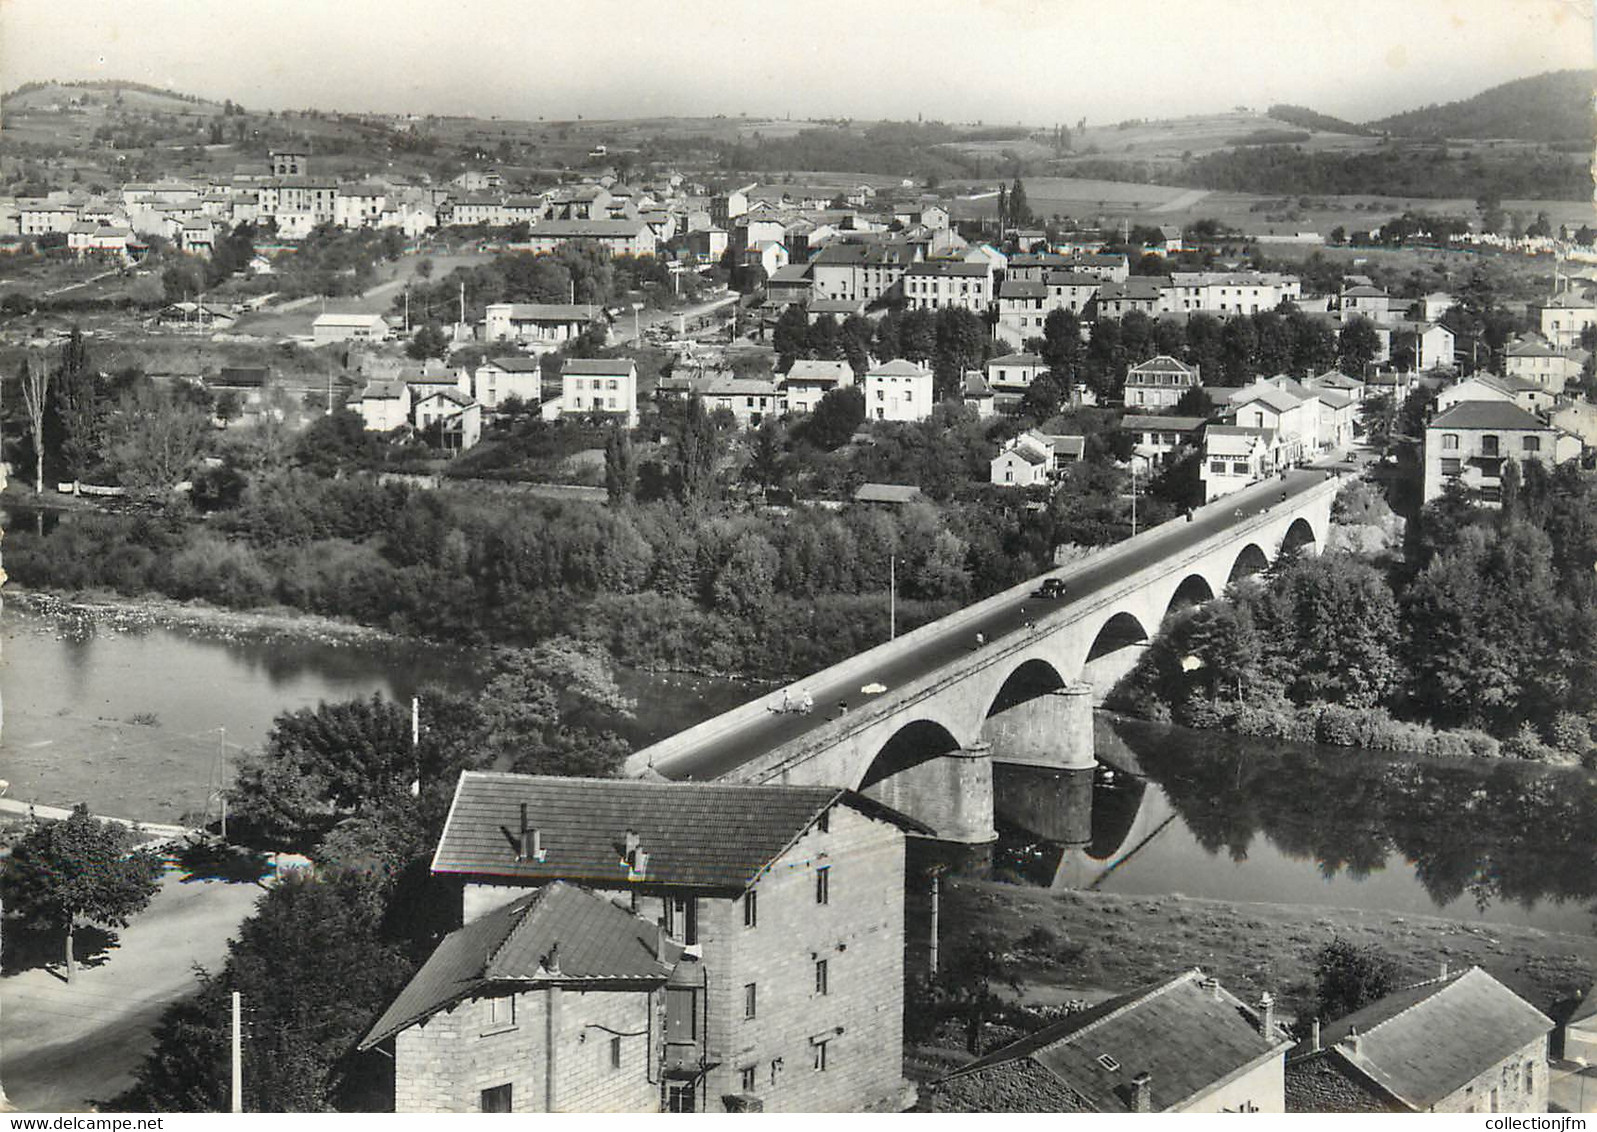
[[149, 611], [1066, 942]]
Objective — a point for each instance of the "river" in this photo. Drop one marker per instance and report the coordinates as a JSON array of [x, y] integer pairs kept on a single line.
[[131, 722]]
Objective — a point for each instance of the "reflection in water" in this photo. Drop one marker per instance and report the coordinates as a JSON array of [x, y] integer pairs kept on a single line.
[[1229, 818]]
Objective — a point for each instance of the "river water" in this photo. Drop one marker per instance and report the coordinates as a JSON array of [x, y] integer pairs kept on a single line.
[[131, 722]]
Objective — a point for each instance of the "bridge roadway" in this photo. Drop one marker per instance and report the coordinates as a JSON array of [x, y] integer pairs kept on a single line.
[[722, 753]]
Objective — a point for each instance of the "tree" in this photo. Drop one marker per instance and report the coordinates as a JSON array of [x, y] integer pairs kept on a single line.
[[961, 337], [1062, 346], [1357, 345], [428, 342], [1019, 210], [1043, 397], [76, 869], [695, 455], [35, 396], [1333, 622], [1350, 976], [917, 335], [766, 454], [80, 409], [1239, 345], [837, 417], [620, 466], [824, 339], [790, 336], [857, 339], [155, 438]]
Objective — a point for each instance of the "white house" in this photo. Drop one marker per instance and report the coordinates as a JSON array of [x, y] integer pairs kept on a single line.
[[1533, 358], [384, 404], [1294, 422], [600, 385], [900, 390], [451, 416], [501, 378], [1159, 382], [1565, 316], [807, 381], [1471, 441], [1034, 458], [1235, 456], [545, 325], [947, 283], [332, 327], [1012, 374]]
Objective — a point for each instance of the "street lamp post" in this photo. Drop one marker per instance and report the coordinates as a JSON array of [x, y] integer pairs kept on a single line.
[[1133, 497], [892, 597]]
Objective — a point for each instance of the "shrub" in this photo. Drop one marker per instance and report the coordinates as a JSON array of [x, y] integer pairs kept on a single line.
[[220, 572]]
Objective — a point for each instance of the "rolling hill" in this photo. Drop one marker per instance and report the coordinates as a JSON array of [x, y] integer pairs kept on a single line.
[[1552, 107]]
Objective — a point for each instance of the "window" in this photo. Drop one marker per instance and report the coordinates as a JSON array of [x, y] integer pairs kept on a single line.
[[682, 919], [1531, 444], [615, 1053], [820, 1056], [680, 1098], [823, 885], [501, 1012], [1217, 467], [496, 1099], [1530, 1076], [1239, 468], [1488, 445], [751, 909], [1452, 467], [820, 976], [1449, 440], [746, 1079], [776, 1070], [750, 1000]]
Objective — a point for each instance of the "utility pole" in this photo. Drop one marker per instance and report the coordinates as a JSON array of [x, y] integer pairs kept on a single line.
[[221, 759], [238, 1053], [415, 744], [892, 597], [1133, 497]]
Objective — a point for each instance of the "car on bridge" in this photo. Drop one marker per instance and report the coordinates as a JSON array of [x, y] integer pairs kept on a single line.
[[1051, 588]]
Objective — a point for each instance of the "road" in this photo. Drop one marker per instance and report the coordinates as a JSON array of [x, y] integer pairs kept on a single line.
[[723, 753], [622, 331]]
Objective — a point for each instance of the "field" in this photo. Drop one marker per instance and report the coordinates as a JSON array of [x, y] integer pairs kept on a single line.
[[1064, 943]]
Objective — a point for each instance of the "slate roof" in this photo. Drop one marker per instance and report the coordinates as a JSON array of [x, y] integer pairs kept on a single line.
[[601, 367], [1169, 424], [1278, 399], [1072, 279], [976, 385], [510, 948], [696, 834], [517, 364], [1486, 414], [790, 273], [1162, 363], [1022, 289], [1423, 1043], [576, 229], [1141, 288], [944, 267], [1186, 1035], [1586, 1008]]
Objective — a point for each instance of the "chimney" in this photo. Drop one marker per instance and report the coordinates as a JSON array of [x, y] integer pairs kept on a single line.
[[631, 844], [1314, 1036], [552, 962], [1267, 1014], [1444, 968], [1352, 1040], [639, 867], [525, 849], [1142, 1092], [1212, 985]]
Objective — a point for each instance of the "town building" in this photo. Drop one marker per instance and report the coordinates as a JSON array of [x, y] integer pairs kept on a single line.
[[541, 325], [1155, 437], [1228, 293], [864, 272], [499, 379], [332, 327], [1528, 395], [749, 399], [1022, 310], [898, 390], [935, 284], [790, 898], [1035, 458], [452, 418], [289, 163], [1182, 1045], [384, 404], [1235, 456], [1469, 443], [614, 237], [1462, 1042], [599, 385], [1159, 382], [1565, 317], [1012, 374], [1366, 301], [1533, 358], [808, 380], [1580, 1029]]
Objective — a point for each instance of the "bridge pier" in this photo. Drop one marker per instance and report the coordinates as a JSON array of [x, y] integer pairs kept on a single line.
[[1051, 730], [1048, 803], [952, 793]]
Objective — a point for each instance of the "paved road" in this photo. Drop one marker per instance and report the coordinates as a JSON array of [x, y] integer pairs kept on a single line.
[[622, 331], [726, 752]]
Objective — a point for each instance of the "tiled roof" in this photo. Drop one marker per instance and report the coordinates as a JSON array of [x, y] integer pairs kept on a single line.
[[1072, 279], [1423, 1043], [1186, 1033], [515, 945], [898, 367], [942, 267], [790, 273], [1163, 363], [1364, 293], [576, 229], [1278, 399], [1017, 360], [818, 370], [1022, 289], [1486, 414], [976, 385], [547, 312], [696, 834], [602, 367], [1170, 424]]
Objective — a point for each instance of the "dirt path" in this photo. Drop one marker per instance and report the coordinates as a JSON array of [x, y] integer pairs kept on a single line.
[[69, 1048], [1183, 202]]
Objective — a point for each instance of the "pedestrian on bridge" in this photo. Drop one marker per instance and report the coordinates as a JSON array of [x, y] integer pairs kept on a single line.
[[807, 703]]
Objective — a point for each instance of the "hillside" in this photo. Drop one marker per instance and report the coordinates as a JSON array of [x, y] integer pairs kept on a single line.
[[1307, 119], [1554, 107], [129, 96]]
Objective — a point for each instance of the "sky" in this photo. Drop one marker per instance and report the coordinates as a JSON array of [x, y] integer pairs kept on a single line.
[[997, 61]]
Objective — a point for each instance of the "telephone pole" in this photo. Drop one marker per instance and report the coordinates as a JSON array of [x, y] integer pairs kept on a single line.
[[238, 1053]]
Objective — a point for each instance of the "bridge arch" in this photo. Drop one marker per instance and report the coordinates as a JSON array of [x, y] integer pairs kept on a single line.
[[923, 771], [1300, 538], [918, 742], [1250, 560], [1031, 678], [1195, 589]]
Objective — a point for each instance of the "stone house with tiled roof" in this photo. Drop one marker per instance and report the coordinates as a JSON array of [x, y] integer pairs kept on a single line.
[[791, 897], [1458, 1043], [1182, 1045]]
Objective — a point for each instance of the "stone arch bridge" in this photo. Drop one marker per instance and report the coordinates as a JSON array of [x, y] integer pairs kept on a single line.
[[926, 744]]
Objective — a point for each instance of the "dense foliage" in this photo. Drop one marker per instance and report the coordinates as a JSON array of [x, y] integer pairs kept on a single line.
[[1553, 107]]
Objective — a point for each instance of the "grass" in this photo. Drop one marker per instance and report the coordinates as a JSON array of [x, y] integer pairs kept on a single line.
[[1096, 942]]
